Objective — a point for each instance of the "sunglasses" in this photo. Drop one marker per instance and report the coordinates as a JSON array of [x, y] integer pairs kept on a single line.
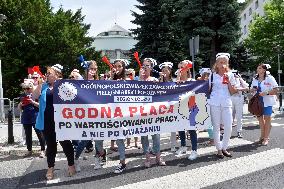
[[146, 66], [26, 88]]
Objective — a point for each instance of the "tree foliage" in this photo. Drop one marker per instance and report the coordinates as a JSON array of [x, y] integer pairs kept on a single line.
[[215, 21], [165, 27], [266, 37], [158, 34], [34, 34]]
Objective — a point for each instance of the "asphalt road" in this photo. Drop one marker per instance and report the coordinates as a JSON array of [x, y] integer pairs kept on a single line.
[[252, 166]]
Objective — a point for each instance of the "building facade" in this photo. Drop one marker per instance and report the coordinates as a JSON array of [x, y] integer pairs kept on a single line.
[[115, 43], [253, 7]]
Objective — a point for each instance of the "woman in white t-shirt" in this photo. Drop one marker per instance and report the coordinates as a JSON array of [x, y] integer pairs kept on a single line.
[[184, 74], [266, 85], [118, 73], [220, 102], [145, 75], [166, 76]]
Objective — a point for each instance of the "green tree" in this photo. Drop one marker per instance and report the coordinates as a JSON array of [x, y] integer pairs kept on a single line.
[[266, 37], [34, 34], [216, 22], [241, 59], [158, 34]]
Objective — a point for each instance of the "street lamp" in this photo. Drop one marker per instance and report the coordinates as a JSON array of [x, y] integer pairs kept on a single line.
[[279, 75], [2, 113]]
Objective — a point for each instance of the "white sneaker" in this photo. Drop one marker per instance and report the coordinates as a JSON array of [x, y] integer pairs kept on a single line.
[[77, 165], [173, 149], [22, 144], [193, 155], [120, 168], [97, 163], [42, 154], [181, 150]]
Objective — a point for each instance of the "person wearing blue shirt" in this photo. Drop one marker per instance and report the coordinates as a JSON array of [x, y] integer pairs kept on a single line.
[[29, 108]]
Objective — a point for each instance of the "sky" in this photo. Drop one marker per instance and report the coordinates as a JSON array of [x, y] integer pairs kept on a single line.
[[102, 15]]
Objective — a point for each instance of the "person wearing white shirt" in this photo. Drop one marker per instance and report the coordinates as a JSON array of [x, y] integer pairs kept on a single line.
[[166, 76], [145, 75], [238, 101], [267, 87], [184, 75], [221, 87]]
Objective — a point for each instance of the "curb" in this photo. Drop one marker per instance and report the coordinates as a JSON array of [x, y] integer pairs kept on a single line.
[[17, 149], [17, 152]]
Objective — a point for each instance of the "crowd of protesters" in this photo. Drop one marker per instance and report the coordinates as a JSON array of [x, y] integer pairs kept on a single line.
[[226, 100]]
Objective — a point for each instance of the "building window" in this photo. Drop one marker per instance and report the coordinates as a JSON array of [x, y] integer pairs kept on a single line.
[[250, 11], [245, 16], [256, 4], [245, 30]]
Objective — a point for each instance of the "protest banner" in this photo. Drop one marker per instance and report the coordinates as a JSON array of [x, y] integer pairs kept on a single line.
[[105, 109]]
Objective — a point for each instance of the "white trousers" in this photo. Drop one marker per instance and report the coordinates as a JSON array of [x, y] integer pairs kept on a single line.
[[221, 115], [238, 104]]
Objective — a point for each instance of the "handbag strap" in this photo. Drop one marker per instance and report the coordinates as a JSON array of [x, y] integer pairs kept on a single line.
[[211, 83]]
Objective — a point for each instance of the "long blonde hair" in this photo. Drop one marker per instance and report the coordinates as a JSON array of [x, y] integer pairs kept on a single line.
[[215, 68], [96, 76], [58, 74]]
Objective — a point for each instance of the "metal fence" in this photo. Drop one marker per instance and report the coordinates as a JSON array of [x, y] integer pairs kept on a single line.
[[9, 105]]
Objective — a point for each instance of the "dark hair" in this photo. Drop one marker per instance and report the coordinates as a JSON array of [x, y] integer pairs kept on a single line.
[[263, 67], [170, 76], [122, 75]]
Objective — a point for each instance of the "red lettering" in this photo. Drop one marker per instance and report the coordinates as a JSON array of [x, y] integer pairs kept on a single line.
[[171, 109], [141, 111], [67, 113], [161, 107], [153, 111], [105, 112], [132, 111], [117, 112], [79, 111], [92, 112]]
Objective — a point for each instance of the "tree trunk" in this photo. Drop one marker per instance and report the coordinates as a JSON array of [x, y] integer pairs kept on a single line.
[[213, 51]]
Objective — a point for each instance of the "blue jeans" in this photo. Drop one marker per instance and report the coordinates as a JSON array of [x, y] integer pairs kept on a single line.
[[82, 144], [193, 139], [121, 148], [156, 144]]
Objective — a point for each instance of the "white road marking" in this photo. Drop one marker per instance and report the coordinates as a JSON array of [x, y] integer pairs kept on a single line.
[[213, 174]]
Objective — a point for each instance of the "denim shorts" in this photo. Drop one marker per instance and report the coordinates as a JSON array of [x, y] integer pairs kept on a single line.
[[267, 111]]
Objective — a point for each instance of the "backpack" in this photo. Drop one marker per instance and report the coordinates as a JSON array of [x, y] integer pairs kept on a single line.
[[255, 105]]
